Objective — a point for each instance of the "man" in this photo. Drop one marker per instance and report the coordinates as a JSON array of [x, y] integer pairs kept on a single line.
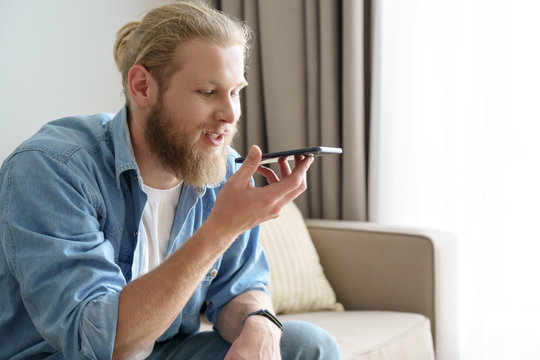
[[116, 230]]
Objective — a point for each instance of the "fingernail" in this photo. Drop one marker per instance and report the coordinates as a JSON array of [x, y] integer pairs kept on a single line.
[[251, 153]]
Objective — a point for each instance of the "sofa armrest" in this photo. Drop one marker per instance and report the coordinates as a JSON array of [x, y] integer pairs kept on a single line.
[[379, 267]]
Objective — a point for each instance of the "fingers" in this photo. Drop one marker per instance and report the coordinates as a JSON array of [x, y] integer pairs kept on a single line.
[[251, 163], [296, 191], [268, 173], [293, 185], [284, 167], [298, 158]]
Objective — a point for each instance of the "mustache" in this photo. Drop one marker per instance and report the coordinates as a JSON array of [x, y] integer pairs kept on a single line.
[[225, 129]]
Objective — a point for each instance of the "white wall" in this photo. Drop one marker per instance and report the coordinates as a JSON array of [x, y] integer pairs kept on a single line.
[[56, 59], [458, 150]]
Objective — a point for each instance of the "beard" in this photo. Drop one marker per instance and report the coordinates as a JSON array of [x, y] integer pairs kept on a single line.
[[179, 151]]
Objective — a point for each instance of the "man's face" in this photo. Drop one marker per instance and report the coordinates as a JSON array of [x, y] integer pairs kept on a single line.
[[195, 118]]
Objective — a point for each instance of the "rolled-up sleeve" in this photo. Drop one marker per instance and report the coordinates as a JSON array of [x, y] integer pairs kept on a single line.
[[97, 327], [69, 282]]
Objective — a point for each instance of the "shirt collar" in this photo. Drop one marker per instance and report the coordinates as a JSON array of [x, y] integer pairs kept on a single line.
[[124, 157]]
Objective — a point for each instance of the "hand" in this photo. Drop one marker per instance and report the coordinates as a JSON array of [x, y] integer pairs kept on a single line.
[[240, 206], [259, 339]]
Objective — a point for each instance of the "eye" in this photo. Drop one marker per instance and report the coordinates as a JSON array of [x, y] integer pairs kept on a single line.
[[206, 93]]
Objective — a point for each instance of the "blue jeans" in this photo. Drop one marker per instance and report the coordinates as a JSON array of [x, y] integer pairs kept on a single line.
[[300, 341]]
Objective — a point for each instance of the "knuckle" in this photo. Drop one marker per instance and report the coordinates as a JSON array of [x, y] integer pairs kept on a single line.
[[275, 213], [299, 182]]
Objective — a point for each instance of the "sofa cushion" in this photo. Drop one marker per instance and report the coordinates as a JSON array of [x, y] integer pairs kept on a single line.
[[375, 335], [297, 283], [371, 335]]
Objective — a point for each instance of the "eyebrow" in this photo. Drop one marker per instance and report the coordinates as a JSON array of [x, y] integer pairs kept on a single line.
[[243, 83]]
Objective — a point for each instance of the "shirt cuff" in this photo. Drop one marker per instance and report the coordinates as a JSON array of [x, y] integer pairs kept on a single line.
[[98, 324]]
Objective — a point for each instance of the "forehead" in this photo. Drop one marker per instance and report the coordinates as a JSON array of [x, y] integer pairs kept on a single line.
[[206, 61]]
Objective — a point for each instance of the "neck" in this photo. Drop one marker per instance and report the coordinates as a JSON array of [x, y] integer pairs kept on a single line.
[[151, 169]]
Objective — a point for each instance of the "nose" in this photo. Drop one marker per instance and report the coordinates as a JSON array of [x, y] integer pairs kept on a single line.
[[229, 109]]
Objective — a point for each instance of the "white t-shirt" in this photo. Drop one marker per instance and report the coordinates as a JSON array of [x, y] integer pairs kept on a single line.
[[157, 221]]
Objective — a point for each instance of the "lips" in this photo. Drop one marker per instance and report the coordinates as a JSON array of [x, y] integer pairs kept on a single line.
[[213, 135], [215, 138]]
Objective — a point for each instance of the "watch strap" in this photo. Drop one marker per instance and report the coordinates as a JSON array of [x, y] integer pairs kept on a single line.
[[267, 314]]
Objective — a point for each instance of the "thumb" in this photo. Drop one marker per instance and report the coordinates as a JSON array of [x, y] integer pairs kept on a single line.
[[252, 161]]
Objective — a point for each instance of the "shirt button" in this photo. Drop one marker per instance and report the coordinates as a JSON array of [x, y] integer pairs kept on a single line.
[[213, 273]]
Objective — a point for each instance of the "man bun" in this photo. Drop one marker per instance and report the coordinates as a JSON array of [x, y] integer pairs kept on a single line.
[[123, 35]]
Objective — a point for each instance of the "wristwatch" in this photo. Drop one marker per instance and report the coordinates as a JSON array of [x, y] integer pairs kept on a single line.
[[267, 314]]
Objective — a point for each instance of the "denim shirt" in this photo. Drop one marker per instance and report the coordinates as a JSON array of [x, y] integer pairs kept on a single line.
[[70, 220]]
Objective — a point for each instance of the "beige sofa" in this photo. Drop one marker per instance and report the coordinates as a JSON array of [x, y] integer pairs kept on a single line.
[[397, 286]]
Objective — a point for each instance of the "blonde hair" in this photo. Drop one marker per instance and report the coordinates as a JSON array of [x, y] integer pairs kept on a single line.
[[153, 41]]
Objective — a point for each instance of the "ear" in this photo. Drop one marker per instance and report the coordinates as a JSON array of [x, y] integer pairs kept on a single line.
[[142, 86]]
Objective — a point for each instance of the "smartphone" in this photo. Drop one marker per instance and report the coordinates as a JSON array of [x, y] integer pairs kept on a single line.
[[289, 154]]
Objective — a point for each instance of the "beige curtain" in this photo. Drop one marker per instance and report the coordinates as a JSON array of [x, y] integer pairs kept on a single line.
[[307, 87]]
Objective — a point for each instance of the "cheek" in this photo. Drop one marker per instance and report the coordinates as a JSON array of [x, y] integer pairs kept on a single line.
[[197, 111]]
